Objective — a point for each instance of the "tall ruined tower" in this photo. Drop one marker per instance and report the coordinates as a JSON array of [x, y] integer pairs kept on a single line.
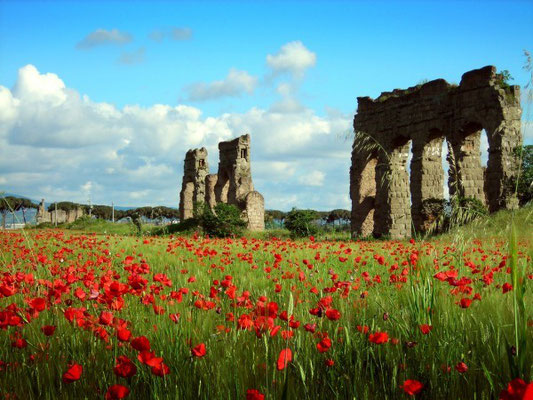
[[234, 182], [232, 185], [234, 178], [195, 170]]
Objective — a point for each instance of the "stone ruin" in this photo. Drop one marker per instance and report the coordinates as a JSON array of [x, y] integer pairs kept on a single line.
[[195, 170], [386, 201], [232, 184], [59, 216]]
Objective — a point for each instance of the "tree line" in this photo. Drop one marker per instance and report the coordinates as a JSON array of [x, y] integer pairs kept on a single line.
[[328, 217]]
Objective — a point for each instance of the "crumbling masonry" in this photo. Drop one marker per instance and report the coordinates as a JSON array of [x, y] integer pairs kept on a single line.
[[232, 185], [386, 201], [195, 170], [57, 216]]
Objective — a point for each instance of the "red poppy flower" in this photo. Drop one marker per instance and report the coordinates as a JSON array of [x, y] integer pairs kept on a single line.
[[285, 357], [174, 317], [461, 367], [38, 304], [73, 373], [198, 351], [333, 314], [363, 329], [117, 392], [465, 303], [48, 330], [254, 394], [329, 363], [507, 287], [161, 369], [324, 345], [123, 334], [517, 389], [141, 343], [378, 337], [125, 368], [425, 329], [106, 318], [412, 387]]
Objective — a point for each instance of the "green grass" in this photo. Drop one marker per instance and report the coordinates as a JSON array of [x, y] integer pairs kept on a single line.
[[480, 335]]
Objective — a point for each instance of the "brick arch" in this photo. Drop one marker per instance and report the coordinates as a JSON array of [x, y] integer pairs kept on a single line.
[[426, 114]]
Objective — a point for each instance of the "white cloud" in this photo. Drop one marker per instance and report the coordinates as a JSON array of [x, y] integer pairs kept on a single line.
[[181, 33], [87, 186], [135, 57], [175, 33], [527, 130], [235, 84], [312, 178], [58, 144], [102, 36], [293, 57]]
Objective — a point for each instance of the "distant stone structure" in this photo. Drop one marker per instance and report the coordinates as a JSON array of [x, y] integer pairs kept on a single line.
[[384, 200], [61, 216], [195, 169], [232, 184]]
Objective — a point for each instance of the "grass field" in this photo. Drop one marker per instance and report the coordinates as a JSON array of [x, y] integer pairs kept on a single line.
[[192, 317]]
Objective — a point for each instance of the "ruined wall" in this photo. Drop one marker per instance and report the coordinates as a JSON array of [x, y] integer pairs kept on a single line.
[[62, 216], [195, 171], [232, 184], [234, 173], [384, 200]]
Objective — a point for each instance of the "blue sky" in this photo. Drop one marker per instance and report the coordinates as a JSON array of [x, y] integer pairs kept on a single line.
[[133, 85]]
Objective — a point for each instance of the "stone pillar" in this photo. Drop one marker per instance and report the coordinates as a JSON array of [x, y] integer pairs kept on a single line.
[[255, 211], [186, 201], [427, 180], [393, 211], [470, 175], [363, 191], [504, 137], [210, 183], [195, 170]]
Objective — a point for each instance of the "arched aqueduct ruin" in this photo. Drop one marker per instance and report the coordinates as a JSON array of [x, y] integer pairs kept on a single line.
[[386, 201]]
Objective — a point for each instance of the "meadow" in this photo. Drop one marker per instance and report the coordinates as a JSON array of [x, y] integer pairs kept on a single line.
[[100, 315]]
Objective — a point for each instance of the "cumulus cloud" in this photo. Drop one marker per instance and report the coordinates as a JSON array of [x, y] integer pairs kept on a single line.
[[102, 36], [181, 33], [293, 58], [313, 178], [135, 57], [174, 33], [527, 129], [235, 84], [58, 144]]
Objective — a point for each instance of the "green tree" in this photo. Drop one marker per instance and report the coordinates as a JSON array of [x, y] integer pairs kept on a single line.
[[301, 222], [338, 215], [525, 179], [102, 211], [13, 204], [276, 217], [223, 221], [63, 205]]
